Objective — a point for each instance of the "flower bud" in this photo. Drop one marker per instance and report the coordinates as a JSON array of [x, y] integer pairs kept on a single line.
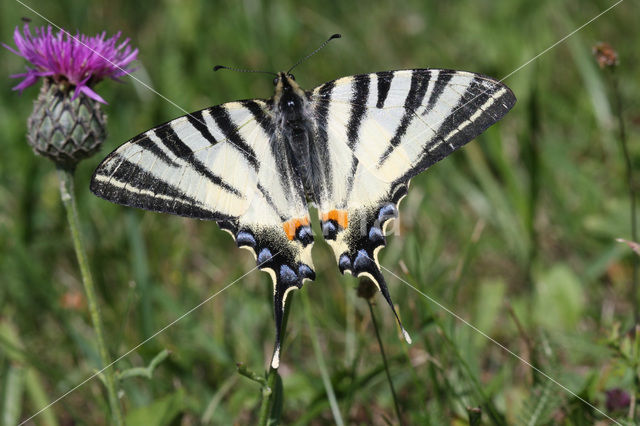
[[366, 288], [63, 129], [606, 56]]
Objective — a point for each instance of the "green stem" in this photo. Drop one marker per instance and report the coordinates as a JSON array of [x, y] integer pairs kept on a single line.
[[384, 361], [67, 194], [622, 134], [324, 372], [533, 155], [267, 397], [267, 391]]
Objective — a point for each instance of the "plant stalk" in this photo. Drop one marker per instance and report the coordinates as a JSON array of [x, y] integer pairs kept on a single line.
[[384, 361], [267, 398], [267, 391], [622, 135], [324, 371], [67, 193]]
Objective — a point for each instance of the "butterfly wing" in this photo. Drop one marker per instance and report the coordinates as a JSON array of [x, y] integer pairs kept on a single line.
[[228, 164], [377, 131]]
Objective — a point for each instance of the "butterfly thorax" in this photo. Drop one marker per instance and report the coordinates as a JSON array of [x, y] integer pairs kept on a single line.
[[292, 113]]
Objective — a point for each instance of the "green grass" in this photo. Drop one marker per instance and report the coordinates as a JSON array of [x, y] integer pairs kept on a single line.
[[520, 224]]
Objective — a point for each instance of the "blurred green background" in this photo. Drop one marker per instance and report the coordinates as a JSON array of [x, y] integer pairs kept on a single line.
[[514, 233]]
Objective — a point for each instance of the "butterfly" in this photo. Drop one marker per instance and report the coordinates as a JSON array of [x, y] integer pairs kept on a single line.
[[349, 146]]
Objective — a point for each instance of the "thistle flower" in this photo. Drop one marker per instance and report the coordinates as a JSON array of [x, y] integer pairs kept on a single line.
[[79, 61], [67, 123]]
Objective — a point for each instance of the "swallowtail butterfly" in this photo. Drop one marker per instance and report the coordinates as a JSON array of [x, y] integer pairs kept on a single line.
[[350, 146]]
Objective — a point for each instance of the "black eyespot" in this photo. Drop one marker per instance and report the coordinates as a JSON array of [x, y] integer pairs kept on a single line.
[[275, 81], [292, 77]]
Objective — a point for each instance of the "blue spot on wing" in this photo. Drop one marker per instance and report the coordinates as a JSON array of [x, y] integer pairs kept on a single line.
[[362, 260], [344, 263], [264, 256], [288, 275], [245, 238], [329, 230], [304, 271], [305, 235], [375, 235], [387, 212]]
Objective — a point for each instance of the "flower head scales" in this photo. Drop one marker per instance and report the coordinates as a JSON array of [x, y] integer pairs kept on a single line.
[[80, 60]]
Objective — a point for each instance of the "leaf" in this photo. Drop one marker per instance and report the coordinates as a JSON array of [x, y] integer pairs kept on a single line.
[[13, 392], [489, 302], [540, 405], [559, 299], [160, 412], [252, 375]]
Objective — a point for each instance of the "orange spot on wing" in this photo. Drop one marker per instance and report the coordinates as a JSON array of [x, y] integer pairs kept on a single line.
[[340, 216], [291, 226]]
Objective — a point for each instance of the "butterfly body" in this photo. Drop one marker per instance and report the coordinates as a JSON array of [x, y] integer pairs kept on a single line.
[[292, 111], [350, 146]]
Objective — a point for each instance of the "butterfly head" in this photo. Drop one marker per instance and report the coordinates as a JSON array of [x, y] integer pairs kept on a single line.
[[289, 96], [285, 82]]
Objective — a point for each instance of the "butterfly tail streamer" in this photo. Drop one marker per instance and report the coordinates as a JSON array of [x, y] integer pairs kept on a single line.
[[286, 276], [375, 274], [280, 293]]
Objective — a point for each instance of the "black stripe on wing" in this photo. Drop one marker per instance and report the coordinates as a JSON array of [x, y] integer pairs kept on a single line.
[[260, 116], [196, 119], [230, 131], [415, 96], [444, 76], [321, 113], [267, 196], [358, 107], [181, 150], [384, 84], [145, 143], [484, 102], [131, 185]]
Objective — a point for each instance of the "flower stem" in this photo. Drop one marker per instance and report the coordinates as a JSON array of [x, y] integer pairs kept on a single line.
[[67, 193], [384, 361], [632, 192], [622, 134], [268, 390], [324, 372], [267, 397]]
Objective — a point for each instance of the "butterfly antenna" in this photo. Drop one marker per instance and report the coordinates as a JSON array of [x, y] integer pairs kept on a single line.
[[314, 52], [222, 67]]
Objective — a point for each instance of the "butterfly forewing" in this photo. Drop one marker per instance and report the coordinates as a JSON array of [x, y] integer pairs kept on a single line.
[[188, 166], [398, 123]]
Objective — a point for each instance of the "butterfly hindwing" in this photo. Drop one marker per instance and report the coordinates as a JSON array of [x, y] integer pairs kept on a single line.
[[229, 164], [382, 129]]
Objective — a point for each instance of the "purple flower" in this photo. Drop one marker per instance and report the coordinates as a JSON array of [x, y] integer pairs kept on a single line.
[[617, 399], [81, 61]]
